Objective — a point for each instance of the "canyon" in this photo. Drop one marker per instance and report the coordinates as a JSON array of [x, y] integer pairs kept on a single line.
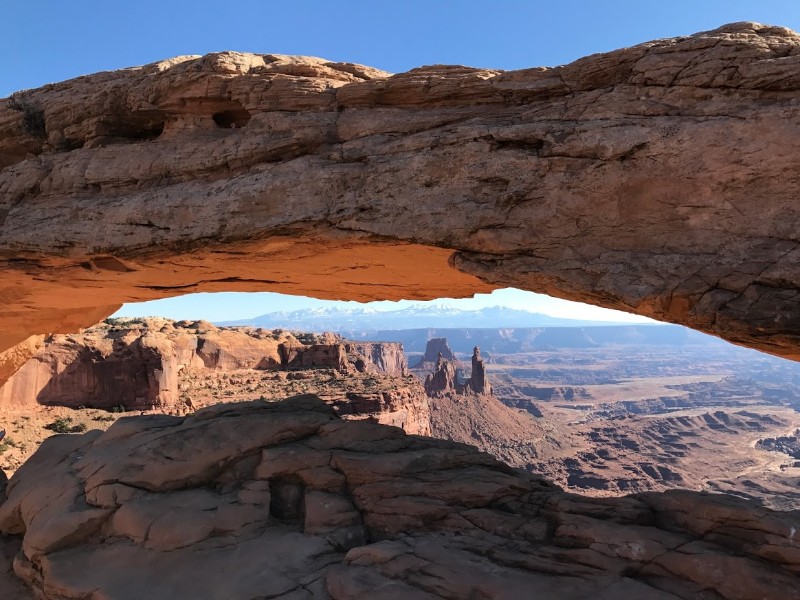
[[359, 508], [603, 411], [156, 366], [657, 179]]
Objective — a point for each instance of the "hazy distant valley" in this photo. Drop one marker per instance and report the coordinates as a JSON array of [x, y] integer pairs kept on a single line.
[[629, 408], [601, 410], [650, 417]]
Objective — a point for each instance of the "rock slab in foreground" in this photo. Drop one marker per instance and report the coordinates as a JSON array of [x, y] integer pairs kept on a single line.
[[285, 500]]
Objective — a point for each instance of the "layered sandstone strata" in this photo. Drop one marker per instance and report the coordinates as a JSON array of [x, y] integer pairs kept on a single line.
[[657, 179], [147, 363]]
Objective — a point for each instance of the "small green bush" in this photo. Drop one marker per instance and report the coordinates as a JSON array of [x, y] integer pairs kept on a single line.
[[64, 425], [8, 443]]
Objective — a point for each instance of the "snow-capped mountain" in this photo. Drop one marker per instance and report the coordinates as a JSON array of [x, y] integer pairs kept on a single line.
[[413, 317]]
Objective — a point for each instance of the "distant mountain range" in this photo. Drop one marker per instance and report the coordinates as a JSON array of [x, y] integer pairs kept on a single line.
[[413, 317], [511, 340]]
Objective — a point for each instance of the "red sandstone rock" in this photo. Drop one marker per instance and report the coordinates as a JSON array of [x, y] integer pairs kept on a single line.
[[433, 349], [656, 179], [299, 504], [445, 376], [138, 364], [443, 380], [478, 381]]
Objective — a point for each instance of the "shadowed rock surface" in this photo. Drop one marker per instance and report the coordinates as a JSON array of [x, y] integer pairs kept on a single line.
[[299, 504], [657, 179], [155, 365]]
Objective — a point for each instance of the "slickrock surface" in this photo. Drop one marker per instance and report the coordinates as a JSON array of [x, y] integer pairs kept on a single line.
[[285, 500], [658, 179]]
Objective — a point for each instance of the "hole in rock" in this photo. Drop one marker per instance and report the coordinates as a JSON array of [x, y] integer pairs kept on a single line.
[[71, 144], [231, 119], [286, 499], [138, 126]]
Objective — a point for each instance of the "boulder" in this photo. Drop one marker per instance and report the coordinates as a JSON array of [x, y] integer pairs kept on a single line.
[[286, 500]]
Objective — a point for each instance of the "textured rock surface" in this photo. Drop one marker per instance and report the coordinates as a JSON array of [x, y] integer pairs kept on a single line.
[[445, 378], [299, 504], [657, 179], [478, 380], [434, 348], [145, 364]]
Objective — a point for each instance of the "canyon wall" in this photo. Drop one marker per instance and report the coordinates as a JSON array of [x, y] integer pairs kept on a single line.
[[657, 179], [144, 364]]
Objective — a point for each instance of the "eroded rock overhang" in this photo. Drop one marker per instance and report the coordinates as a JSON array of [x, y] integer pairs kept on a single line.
[[659, 179]]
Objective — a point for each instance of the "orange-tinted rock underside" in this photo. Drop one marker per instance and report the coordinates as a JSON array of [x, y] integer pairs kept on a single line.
[[658, 179]]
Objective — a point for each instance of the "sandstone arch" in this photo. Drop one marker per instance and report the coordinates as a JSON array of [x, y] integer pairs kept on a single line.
[[659, 179]]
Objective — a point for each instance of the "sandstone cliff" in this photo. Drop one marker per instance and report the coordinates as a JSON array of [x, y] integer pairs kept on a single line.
[[157, 364], [656, 179], [294, 503], [443, 380]]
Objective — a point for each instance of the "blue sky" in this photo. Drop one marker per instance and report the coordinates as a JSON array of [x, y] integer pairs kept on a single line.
[[45, 41], [231, 306]]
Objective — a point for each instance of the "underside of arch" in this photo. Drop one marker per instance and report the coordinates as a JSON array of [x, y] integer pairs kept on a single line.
[[659, 179]]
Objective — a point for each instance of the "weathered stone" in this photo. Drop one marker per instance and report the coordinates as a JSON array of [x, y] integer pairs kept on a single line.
[[655, 179], [443, 380], [433, 349], [423, 519], [478, 381], [138, 363]]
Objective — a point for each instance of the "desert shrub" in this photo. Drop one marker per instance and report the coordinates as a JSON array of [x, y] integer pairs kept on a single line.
[[32, 115], [9, 443], [64, 425]]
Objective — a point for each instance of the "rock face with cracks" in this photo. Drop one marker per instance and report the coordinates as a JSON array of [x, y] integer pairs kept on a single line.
[[299, 504], [143, 363], [658, 179]]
